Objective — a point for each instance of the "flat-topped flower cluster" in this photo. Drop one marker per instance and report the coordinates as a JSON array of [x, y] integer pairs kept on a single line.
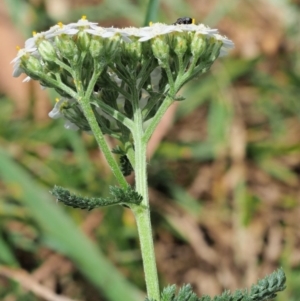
[[127, 34], [119, 69]]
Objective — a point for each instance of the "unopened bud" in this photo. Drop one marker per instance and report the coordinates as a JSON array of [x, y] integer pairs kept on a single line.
[[160, 49], [198, 45], [47, 50], [112, 46], [83, 40], [133, 50], [32, 66], [96, 47], [67, 47], [180, 45]]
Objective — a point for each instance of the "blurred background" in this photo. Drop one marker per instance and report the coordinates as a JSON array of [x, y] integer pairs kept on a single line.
[[224, 165]]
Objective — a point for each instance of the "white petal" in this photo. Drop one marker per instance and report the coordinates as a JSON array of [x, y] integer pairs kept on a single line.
[[55, 112], [17, 71], [96, 31], [27, 79], [71, 126]]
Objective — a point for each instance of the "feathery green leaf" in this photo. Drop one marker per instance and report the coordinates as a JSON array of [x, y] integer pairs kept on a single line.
[[119, 196], [265, 289]]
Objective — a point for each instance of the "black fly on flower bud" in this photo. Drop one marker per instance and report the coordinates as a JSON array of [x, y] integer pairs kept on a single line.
[[184, 20]]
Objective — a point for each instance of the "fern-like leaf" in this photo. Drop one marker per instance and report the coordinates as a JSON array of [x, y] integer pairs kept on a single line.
[[265, 289], [168, 293], [119, 196]]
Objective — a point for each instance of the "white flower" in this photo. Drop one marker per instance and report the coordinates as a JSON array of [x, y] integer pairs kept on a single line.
[[128, 32], [21, 52], [17, 69], [227, 45], [72, 28], [96, 30], [157, 29], [83, 22], [108, 32], [202, 29], [60, 29], [55, 112], [31, 43]]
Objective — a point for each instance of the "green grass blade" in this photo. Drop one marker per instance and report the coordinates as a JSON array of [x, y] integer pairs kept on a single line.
[[6, 255], [152, 9], [57, 225]]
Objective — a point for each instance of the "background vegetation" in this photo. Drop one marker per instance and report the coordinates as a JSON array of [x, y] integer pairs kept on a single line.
[[224, 165]]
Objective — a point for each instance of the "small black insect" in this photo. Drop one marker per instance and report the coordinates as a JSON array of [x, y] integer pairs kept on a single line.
[[184, 20]]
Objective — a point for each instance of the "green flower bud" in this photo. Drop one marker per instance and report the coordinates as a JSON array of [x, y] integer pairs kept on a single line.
[[180, 45], [160, 49], [112, 45], [133, 50], [32, 66], [198, 45], [67, 47], [83, 40], [47, 50], [96, 47]]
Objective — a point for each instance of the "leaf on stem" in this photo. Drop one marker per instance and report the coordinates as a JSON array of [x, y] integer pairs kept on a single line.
[[265, 289], [119, 196]]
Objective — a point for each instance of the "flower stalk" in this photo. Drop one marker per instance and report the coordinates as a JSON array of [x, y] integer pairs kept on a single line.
[[142, 216]]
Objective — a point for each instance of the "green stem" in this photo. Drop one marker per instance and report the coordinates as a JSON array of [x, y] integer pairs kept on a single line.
[[142, 212], [115, 114], [63, 66], [130, 153], [58, 84], [174, 88], [169, 74], [88, 112], [156, 119], [142, 216]]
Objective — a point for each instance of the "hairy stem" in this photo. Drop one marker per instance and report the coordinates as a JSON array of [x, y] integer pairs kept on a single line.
[[89, 114], [142, 213], [156, 119]]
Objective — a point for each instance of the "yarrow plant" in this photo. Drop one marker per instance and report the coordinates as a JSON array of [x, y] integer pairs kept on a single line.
[[120, 82]]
